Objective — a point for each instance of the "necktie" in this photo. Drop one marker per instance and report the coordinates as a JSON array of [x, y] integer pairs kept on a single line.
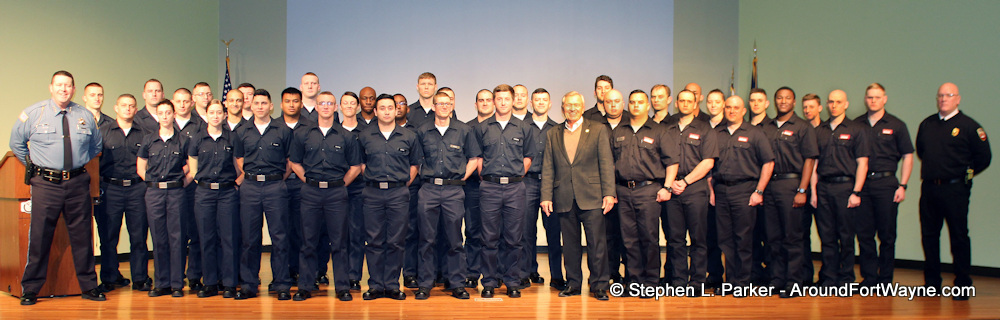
[[67, 143]]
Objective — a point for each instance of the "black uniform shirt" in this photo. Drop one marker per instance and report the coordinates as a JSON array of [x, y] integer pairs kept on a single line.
[[105, 120], [695, 143], [742, 153], [889, 139], [792, 143], [702, 116], [215, 157], [504, 149], [474, 125], [446, 156], [240, 124], [304, 123], [194, 125], [325, 157], [145, 121], [536, 163], [840, 148], [165, 159], [949, 148], [265, 154], [642, 155], [120, 151], [389, 160]]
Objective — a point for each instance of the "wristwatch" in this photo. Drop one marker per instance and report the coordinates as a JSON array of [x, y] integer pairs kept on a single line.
[[669, 189], [800, 190], [758, 191], [902, 186], [856, 193]]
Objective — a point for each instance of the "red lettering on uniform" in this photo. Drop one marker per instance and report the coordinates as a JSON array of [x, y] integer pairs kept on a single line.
[[694, 136], [787, 133], [647, 140], [886, 131], [845, 137], [742, 139]]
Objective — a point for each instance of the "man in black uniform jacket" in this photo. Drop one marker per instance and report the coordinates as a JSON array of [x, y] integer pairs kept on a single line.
[[954, 148]]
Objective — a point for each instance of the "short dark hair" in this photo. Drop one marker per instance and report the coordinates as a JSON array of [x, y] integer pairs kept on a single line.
[[757, 90], [784, 88], [291, 90], [93, 84], [125, 95], [604, 78], [717, 91], [72, 81], [246, 85], [476, 98], [152, 80], [688, 91], [811, 96], [350, 94], [184, 90], [262, 92], [165, 102], [638, 91], [445, 89], [503, 88], [385, 96], [201, 84], [540, 91]]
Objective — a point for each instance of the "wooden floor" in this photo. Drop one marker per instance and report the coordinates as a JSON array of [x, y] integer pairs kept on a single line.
[[538, 302]]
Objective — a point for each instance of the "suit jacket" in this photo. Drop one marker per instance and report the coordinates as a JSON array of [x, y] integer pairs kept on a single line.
[[590, 177]]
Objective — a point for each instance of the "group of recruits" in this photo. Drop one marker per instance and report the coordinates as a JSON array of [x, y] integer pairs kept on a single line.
[[395, 182]]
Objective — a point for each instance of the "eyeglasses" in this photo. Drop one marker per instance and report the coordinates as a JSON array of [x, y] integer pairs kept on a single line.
[[327, 103], [946, 95]]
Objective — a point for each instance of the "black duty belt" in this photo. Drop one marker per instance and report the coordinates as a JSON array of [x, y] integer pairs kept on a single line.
[[783, 176], [502, 180], [730, 183], [164, 185], [217, 185], [632, 184], [946, 181], [881, 174], [58, 176], [121, 182], [385, 184], [533, 175], [837, 179], [264, 177], [325, 184], [444, 182]]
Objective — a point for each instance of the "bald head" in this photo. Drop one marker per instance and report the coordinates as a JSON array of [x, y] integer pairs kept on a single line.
[[948, 98], [367, 96], [837, 103], [694, 87], [614, 104], [735, 110]]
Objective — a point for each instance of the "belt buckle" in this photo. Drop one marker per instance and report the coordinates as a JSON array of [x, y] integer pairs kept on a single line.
[[162, 185], [65, 175], [630, 184], [126, 183], [213, 186], [261, 178], [438, 181], [383, 185], [324, 184], [504, 180]]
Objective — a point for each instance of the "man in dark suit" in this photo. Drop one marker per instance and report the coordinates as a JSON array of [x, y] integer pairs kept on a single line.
[[578, 182]]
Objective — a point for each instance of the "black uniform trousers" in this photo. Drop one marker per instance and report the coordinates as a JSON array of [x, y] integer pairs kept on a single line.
[[594, 225], [410, 251], [323, 209], [215, 210], [736, 221], [668, 265], [164, 211], [945, 203], [473, 230], [503, 219], [386, 216], [639, 215], [687, 213], [356, 230], [260, 200], [72, 199], [616, 248], [120, 202], [440, 211], [784, 232], [294, 227], [714, 253], [808, 268], [877, 216], [189, 232], [835, 223], [760, 273], [533, 193]]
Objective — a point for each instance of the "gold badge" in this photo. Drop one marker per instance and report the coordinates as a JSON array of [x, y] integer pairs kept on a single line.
[[954, 132], [82, 122], [982, 134]]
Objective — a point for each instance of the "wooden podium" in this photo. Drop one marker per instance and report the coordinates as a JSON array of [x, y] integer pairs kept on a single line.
[[14, 226]]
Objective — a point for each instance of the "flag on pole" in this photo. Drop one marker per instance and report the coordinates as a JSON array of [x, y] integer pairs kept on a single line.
[[732, 86], [227, 84], [753, 79]]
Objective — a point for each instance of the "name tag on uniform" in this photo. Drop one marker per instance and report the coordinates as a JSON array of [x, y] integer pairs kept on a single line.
[[619, 139], [694, 136], [845, 137], [787, 133], [886, 131], [742, 139], [646, 140], [454, 147], [516, 139], [176, 153], [229, 148]]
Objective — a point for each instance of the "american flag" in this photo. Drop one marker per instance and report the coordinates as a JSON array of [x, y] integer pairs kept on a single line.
[[226, 84]]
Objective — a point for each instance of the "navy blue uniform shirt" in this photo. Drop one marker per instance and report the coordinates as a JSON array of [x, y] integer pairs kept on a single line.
[[446, 156], [265, 154], [165, 159], [325, 157], [120, 151], [389, 160], [215, 156]]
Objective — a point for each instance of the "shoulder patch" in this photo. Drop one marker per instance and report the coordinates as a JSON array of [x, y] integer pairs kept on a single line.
[[23, 117], [982, 134]]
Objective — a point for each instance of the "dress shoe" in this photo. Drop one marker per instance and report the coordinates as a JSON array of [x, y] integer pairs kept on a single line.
[[410, 282], [372, 294], [245, 294], [302, 295], [536, 278], [601, 295], [344, 296], [395, 294], [471, 282], [106, 287], [558, 284], [270, 287], [514, 293], [228, 292], [284, 295], [143, 286], [569, 291], [525, 283], [697, 293], [960, 297], [422, 294], [177, 293], [29, 298], [195, 285], [208, 291], [487, 292], [460, 293], [788, 293], [159, 292], [355, 285], [323, 279], [617, 278], [121, 282]]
